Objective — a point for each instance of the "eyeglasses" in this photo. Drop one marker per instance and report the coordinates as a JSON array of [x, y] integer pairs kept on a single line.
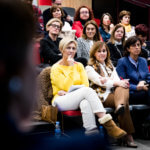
[[69, 48], [55, 26], [84, 12]]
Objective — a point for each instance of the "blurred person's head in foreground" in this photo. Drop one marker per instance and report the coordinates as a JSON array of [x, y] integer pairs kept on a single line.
[[16, 70]]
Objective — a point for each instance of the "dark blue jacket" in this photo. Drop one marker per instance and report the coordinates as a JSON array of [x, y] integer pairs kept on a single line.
[[127, 70]]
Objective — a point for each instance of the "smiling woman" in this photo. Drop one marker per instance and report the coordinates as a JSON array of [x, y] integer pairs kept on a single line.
[[90, 35], [112, 91]]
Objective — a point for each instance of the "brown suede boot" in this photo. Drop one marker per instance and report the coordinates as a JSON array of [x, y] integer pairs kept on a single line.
[[112, 129]]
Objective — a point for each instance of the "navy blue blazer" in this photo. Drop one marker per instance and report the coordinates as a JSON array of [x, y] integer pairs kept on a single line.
[[127, 70]]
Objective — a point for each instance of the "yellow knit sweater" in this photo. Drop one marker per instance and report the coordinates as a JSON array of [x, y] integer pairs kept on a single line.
[[62, 77]]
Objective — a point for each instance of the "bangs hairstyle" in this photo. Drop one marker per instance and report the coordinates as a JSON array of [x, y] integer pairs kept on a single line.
[[54, 20], [77, 14], [130, 41], [65, 42], [102, 17], [54, 8], [123, 13], [112, 38], [97, 34], [96, 46]]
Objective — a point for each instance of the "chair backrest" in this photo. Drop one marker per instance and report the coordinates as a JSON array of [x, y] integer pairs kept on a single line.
[[44, 7], [44, 84], [44, 93], [70, 11]]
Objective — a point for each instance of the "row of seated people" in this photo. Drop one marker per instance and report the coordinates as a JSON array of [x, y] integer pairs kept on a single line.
[[49, 46], [54, 28], [86, 36], [105, 81]]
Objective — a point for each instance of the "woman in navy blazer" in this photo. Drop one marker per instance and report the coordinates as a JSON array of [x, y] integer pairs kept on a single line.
[[135, 68]]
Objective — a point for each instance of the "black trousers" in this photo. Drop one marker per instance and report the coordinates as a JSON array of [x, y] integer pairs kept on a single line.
[[140, 97]]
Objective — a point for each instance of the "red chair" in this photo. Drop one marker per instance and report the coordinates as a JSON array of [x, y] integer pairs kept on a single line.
[[45, 2]]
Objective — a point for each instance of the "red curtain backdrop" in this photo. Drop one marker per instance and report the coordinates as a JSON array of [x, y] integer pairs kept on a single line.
[[45, 2]]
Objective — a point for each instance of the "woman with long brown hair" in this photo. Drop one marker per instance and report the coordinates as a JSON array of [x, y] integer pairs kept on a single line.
[[112, 91], [90, 35]]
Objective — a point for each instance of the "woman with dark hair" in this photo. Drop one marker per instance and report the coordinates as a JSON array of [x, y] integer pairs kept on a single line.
[[124, 18], [82, 15], [90, 35], [141, 31], [57, 12], [116, 42], [112, 91], [106, 26], [47, 15], [135, 68]]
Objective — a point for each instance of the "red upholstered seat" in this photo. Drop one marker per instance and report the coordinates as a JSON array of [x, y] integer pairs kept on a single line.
[[72, 113]]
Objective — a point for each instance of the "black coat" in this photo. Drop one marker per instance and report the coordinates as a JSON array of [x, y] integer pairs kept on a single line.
[[49, 50], [116, 52]]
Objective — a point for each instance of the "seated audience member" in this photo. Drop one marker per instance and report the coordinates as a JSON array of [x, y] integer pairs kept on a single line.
[[47, 14], [90, 35], [106, 26], [49, 46], [82, 15], [116, 42], [141, 31], [67, 73], [124, 17], [112, 91], [57, 12], [135, 68]]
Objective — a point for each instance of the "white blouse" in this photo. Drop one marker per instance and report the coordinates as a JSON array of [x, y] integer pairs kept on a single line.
[[95, 78]]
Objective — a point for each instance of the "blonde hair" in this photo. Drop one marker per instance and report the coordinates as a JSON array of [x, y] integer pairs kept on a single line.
[[65, 42], [96, 46], [54, 20]]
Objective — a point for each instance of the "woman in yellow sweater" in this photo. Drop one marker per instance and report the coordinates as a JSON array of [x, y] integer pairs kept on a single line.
[[67, 73]]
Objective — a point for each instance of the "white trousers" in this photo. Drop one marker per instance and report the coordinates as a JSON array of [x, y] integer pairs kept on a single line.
[[88, 101]]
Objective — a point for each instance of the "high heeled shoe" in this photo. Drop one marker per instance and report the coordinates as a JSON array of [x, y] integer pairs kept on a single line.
[[126, 142], [131, 144]]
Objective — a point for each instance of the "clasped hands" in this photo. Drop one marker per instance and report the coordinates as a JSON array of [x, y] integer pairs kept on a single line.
[[142, 86]]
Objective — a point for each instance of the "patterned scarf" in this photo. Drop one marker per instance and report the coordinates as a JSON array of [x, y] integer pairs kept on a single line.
[[100, 89]]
